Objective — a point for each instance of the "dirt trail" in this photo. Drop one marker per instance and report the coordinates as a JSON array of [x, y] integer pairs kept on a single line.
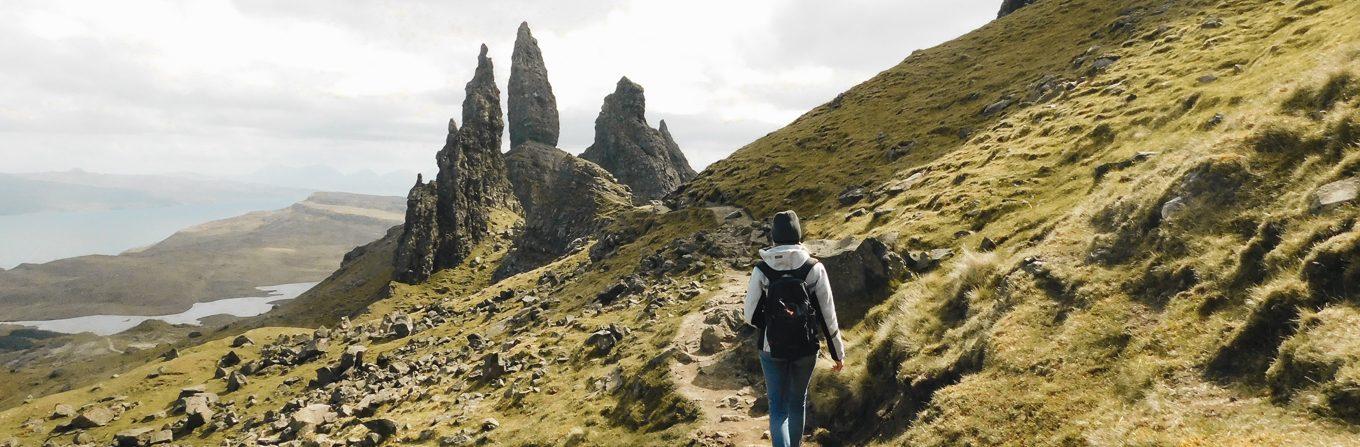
[[716, 364], [719, 380]]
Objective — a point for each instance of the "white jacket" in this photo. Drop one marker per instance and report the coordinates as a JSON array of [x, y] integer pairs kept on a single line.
[[790, 257]]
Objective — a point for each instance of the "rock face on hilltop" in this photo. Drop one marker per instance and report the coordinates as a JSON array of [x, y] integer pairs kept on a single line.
[[645, 159], [531, 167], [447, 217], [565, 198], [416, 248], [532, 106], [1009, 6]]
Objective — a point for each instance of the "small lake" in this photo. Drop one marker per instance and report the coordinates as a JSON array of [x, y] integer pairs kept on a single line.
[[112, 324]]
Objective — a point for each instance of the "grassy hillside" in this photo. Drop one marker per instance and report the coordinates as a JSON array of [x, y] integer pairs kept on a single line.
[[1103, 318], [1146, 172]]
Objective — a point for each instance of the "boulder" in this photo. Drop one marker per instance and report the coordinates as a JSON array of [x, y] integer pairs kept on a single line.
[[645, 159], [710, 340], [236, 381], [861, 273], [199, 410], [603, 341], [353, 357], [851, 196], [997, 107], [62, 411], [402, 328], [313, 348], [96, 416], [1335, 194], [143, 436], [311, 416], [492, 366], [385, 428], [229, 360], [241, 340]]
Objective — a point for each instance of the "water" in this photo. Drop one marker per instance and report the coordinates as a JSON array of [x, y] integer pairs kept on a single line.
[[46, 236], [113, 324]]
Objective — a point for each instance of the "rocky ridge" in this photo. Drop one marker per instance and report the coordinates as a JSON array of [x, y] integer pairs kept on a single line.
[[565, 199], [448, 216], [644, 158]]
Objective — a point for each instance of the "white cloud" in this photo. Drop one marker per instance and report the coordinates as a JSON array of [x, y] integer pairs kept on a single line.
[[220, 86]]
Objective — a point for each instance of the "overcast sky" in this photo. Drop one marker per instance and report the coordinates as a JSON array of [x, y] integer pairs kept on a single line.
[[229, 87]]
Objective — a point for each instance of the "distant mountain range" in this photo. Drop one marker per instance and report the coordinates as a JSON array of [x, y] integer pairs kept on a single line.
[[79, 190], [225, 258], [326, 178], [53, 215], [82, 191]]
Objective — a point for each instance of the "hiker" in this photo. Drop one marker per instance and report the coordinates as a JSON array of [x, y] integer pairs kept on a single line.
[[789, 301]]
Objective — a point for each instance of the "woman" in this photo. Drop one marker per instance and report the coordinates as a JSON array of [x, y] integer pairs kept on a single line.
[[789, 300]]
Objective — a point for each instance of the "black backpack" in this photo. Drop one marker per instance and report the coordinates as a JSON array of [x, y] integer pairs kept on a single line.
[[790, 314]]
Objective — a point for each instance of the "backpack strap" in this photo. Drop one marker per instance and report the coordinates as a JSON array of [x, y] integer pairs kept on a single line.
[[806, 269], [801, 272], [769, 272]]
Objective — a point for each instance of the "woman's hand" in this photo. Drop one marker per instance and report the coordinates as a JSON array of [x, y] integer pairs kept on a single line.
[[839, 365]]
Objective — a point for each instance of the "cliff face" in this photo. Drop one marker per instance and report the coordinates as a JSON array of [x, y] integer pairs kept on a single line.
[[564, 197], [447, 217], [645, 159]]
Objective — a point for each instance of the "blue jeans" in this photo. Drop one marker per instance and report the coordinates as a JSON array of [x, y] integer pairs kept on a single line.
[[786, 384]]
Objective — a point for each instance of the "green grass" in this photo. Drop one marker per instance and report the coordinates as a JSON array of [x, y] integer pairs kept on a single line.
[[1096, 322]]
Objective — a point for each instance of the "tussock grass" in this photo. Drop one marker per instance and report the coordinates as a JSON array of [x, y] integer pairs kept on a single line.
[[1339, 87]]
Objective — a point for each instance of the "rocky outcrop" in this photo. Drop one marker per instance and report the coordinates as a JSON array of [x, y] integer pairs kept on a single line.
[[532, 107], [447, 217], [531, 168], [415, 250], [862, 272], [565, 199], [645, 159], [1009, 6]]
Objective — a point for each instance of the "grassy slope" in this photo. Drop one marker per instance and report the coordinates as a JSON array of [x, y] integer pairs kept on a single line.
[[1106, 340], [1089, 352]]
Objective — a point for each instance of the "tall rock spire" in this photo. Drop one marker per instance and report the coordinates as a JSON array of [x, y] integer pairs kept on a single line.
[[645, 159], [564, 198], [532, 106], [447, 217]]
